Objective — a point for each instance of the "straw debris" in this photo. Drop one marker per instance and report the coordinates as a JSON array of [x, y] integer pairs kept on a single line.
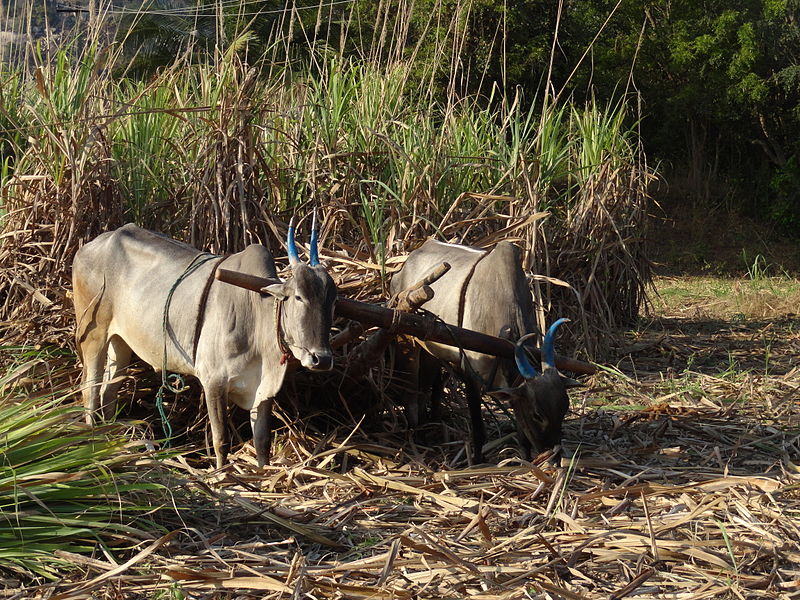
[[680, 487]]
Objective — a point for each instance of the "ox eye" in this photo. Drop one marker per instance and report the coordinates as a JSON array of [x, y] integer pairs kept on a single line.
[[298, 298]]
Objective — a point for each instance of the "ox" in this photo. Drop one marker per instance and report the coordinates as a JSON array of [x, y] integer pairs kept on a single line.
[[236, 342], [486, 291]]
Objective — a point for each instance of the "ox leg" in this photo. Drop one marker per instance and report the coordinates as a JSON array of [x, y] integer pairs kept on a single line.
[[261, 423], [525, 445], [406, 366], [473, 390], [93, 351], [216, 404], [415, 402], [119, 356], [431, 383]]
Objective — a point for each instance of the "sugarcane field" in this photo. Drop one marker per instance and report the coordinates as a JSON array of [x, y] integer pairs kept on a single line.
[[399, 300]]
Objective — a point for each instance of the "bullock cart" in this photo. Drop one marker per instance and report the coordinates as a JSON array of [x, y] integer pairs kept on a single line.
[[397, 321]]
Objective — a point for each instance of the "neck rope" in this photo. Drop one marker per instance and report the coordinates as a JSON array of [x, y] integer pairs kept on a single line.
[[282, 345]]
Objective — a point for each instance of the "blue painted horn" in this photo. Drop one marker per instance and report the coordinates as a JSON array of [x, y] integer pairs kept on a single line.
[[314, 258], [291, 249], [526, 369], [548, 352]]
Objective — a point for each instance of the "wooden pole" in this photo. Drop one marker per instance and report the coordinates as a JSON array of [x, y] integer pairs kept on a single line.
[[418, 326], [368, 353]]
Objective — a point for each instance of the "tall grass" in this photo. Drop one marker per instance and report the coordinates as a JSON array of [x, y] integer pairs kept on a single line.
[[221, 152]]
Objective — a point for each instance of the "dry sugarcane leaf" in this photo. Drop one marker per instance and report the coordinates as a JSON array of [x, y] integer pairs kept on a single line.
[[358, 592], [450, 502], [552, 280], [765, 484], [226, 582], [94, 583], [288, 524]]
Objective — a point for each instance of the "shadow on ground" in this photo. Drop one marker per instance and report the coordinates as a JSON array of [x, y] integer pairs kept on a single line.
[[668, 345]]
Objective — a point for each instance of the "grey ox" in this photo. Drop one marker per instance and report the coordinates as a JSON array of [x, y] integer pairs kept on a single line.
[[235, 341], [486, 291]]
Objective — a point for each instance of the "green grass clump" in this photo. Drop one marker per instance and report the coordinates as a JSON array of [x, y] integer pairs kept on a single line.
[[65, 486], [727, 297]]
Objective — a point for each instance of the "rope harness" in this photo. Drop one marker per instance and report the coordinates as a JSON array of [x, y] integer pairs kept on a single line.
[[201, 313], [174, 383], [462, 297], [286, 354], [466, 363], [462, 301]]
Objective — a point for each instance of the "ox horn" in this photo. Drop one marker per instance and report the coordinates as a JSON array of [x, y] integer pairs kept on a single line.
[[291, 249], [548, 352], [526, 369], [314, 256]]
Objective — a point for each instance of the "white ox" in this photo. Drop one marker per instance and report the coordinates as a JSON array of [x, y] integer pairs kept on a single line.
[[487, 291], [235, 341]]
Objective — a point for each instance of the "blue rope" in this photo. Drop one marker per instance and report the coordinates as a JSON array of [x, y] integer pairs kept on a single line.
[[177, 385]]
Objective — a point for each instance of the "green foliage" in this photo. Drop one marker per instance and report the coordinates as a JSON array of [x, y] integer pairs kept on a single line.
[[784, 207], [173, 592], [65, 486], [604, 137], [146, 147], [719, 81], [12, 135]]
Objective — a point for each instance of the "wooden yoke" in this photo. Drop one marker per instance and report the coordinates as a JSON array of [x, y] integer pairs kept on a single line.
[[369, 352], [419, 326]]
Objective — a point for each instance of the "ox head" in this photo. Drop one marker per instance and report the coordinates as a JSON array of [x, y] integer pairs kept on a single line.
[[306, 306], [540, 402]]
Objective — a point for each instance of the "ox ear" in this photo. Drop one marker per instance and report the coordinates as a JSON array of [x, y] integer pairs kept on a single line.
[[276, 289], [526, 411], [506, 395], [503, 395]]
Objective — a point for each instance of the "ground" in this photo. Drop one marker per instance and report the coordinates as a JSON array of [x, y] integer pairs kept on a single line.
[[678, 477]]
